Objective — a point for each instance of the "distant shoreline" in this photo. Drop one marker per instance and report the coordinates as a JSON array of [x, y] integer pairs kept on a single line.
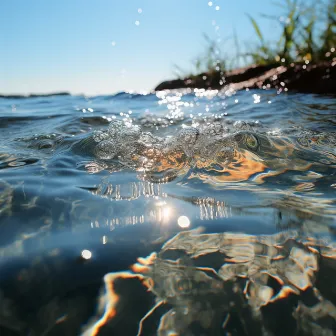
[[18, 96]]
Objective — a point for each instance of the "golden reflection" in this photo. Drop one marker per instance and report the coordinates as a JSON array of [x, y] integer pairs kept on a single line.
[[197, 294], [112, 298], [244, 165]]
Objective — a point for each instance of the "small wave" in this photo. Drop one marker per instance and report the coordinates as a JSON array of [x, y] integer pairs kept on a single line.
[[215, 152]]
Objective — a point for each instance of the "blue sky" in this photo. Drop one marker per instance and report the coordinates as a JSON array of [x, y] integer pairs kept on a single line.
[[95, 47]]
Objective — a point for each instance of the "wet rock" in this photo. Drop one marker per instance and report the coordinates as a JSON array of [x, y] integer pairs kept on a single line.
[[307, 78]]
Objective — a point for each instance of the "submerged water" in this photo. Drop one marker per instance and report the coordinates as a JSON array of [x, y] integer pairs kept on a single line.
[[228, 199]]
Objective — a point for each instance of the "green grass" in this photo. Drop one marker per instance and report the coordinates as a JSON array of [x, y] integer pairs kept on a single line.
[[307, 34]]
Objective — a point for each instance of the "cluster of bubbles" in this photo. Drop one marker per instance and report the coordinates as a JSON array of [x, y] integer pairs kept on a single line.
[[207, 142], [220, 146]]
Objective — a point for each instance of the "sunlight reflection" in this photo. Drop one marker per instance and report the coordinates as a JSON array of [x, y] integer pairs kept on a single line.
[[166, 213], [86, 254], [183, 222]]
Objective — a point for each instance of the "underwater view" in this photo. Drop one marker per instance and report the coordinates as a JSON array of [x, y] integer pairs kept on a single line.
[[187, 212]]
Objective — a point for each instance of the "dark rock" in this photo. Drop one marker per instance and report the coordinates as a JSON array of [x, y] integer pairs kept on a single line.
[[176, 84], [307, 78], [315, 78]]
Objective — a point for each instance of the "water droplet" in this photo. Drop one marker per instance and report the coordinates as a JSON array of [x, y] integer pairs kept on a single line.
[[137, 22], [86, 254], [139, 10]]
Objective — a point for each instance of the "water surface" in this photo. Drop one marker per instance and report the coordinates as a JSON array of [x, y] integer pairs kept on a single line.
[[90, 184]]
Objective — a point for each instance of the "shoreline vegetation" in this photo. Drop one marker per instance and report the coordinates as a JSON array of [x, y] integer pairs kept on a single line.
[[302, 58], [317, 78]]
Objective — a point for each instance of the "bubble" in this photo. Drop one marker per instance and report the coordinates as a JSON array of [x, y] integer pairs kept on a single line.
[[86, 254], [137, 22], [225, 155], [186, 138], [99, 136], [241, 125], [213, 129], [131, 133], [106, 150], [115, 128]]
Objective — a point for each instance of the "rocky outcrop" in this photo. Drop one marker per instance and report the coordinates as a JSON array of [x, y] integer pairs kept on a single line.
[[300, 77]]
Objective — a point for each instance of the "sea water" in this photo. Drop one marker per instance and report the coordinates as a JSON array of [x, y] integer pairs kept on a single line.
[[189, 212]]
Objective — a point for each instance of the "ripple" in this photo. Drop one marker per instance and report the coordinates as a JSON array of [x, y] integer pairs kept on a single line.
[[213, 152], [255, 272]]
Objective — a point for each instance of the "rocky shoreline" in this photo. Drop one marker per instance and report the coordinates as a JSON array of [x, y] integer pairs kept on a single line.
[[300, 77]]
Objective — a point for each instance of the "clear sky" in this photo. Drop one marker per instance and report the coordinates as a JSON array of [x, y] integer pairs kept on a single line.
[[96, 47]]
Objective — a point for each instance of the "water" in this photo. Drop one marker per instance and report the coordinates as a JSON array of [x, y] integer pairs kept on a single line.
[[227, 198]]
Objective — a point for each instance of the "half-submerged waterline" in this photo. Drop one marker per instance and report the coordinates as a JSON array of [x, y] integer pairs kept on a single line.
[[103, 200]]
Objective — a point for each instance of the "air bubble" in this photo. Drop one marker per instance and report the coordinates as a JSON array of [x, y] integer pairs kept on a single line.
[[106, 150]]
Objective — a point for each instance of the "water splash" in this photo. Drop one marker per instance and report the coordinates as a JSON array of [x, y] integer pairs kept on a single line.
[[216, 152]]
